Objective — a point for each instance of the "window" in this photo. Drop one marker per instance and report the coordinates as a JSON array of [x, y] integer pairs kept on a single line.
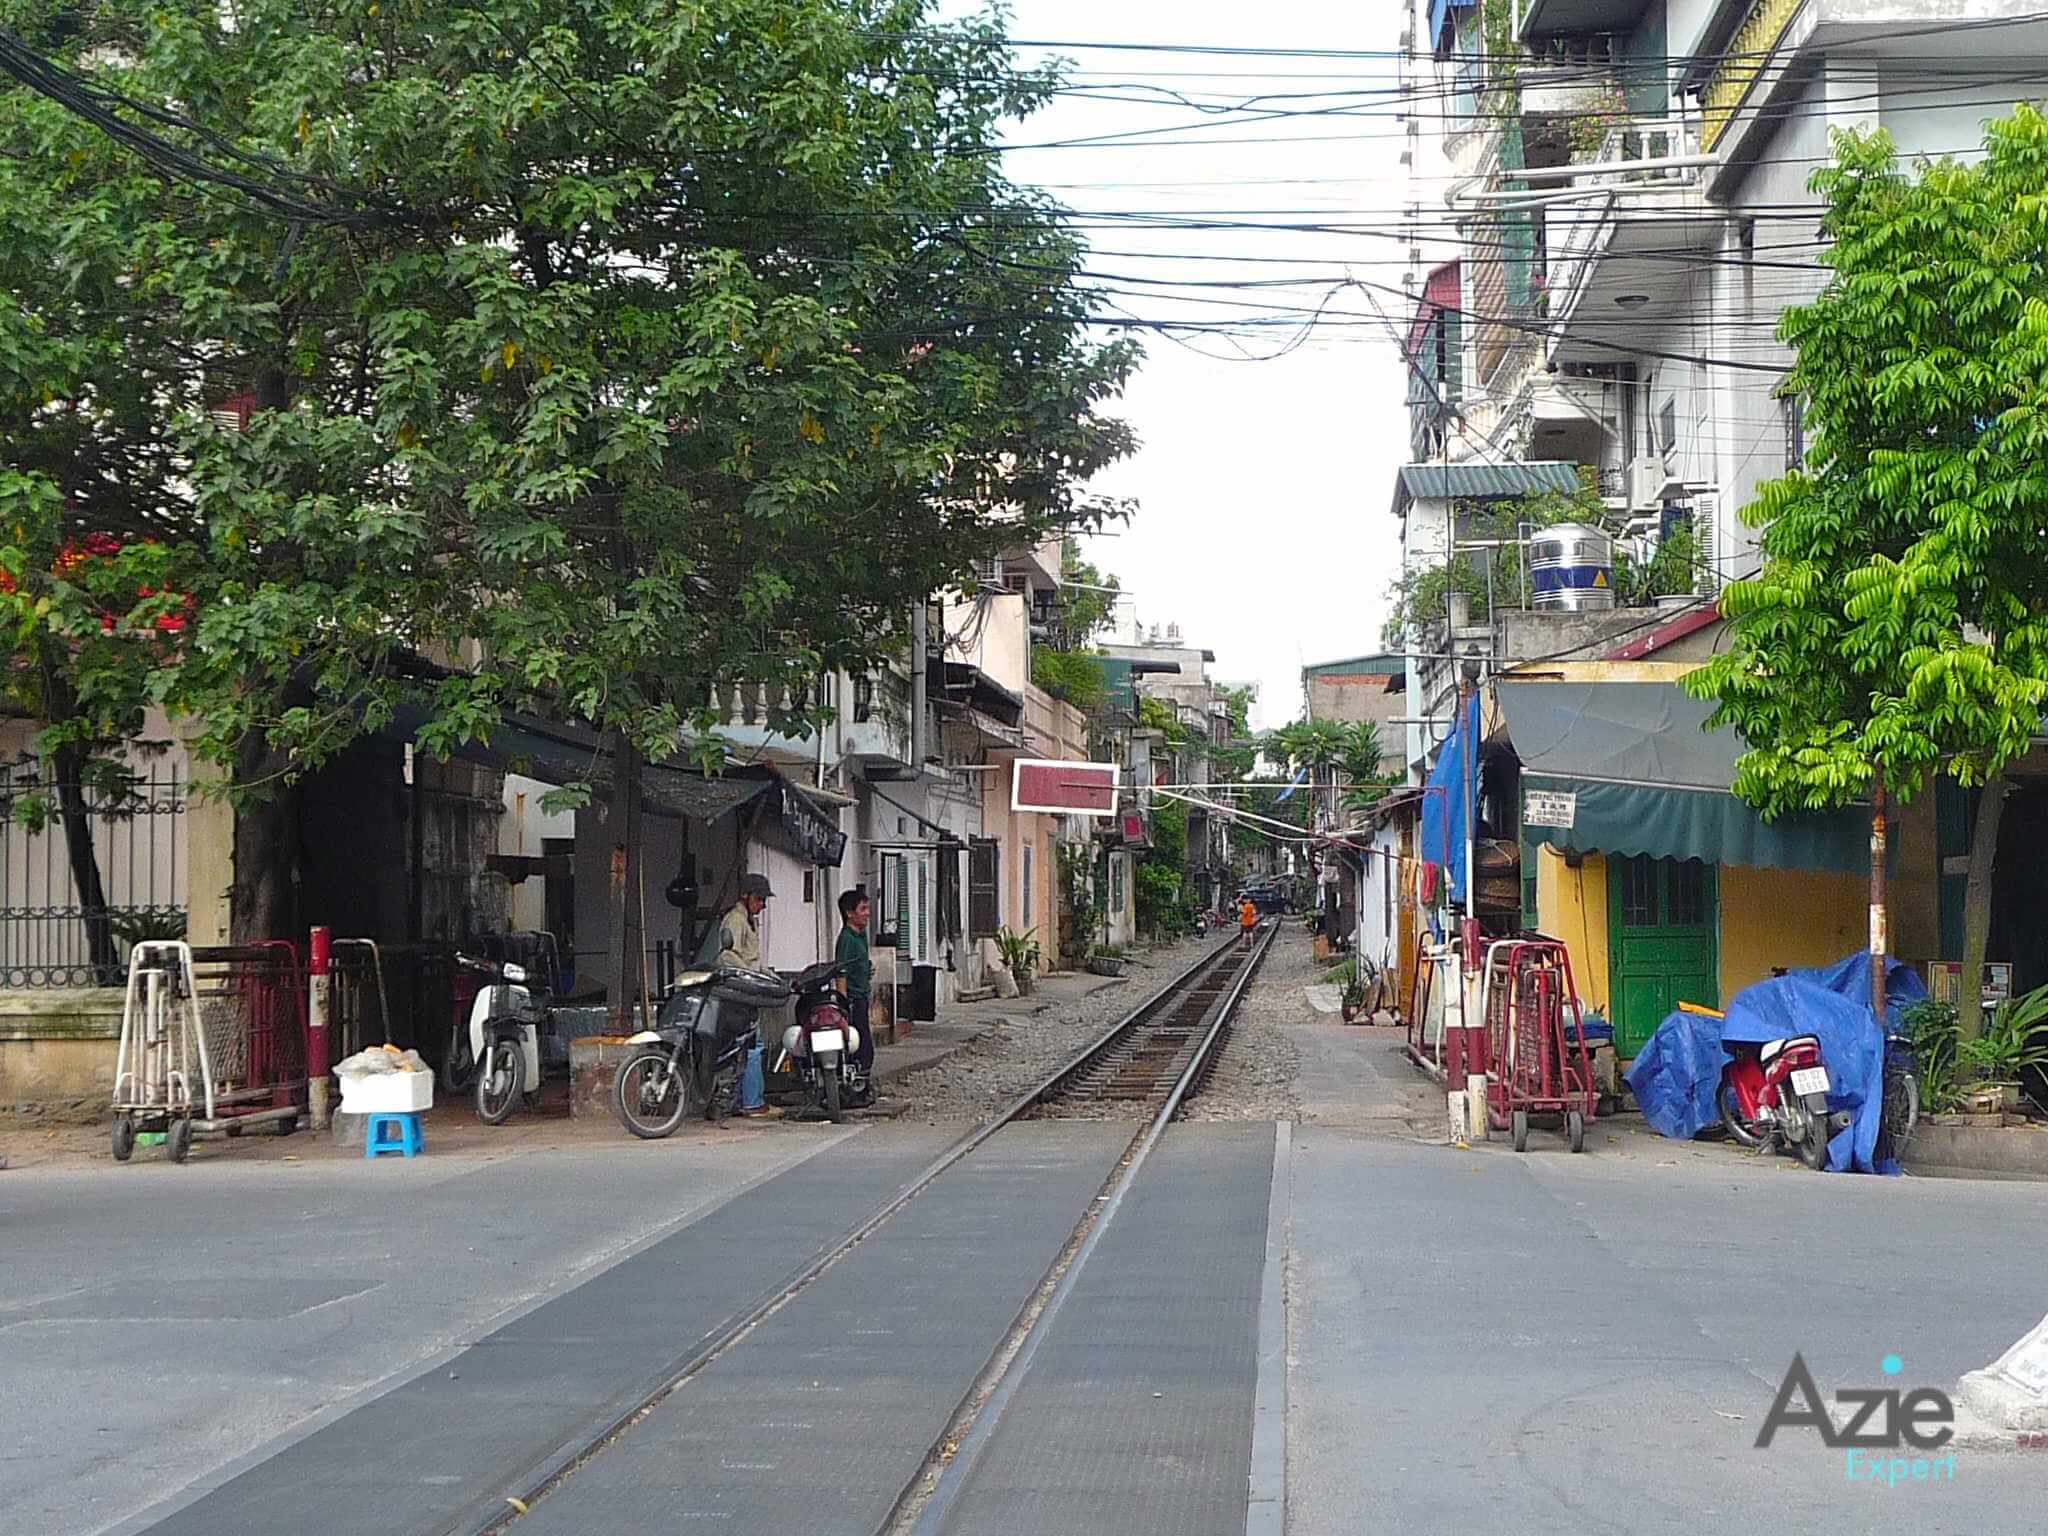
[[1025, 916], [1116, 886], [1638, 892], [984, 909], [1688, 893], [1667, 427], [810, 886], [863, 699], [1793, 408]]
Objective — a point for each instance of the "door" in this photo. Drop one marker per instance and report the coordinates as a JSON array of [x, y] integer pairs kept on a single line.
[[1663, 917]]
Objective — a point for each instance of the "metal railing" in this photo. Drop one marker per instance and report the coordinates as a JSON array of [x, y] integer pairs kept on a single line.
[[51, 934], [1743, 62]]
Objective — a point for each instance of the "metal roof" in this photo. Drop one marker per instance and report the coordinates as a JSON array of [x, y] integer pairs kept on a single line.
[[1387, 662], [1480, 482]]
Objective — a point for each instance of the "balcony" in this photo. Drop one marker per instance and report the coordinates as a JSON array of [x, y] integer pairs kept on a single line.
[[1052, 727], [1615, 256], [1544, 20]]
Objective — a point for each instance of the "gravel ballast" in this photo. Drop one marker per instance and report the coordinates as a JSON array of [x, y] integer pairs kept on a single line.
[[1028, 1045]]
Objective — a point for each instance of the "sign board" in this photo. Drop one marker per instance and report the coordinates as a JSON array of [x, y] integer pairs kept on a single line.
[[1062, 788], [1550, 808]]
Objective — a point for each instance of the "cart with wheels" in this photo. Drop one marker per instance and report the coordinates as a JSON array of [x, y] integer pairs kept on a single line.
[[213, 1041], [1537, 1061]]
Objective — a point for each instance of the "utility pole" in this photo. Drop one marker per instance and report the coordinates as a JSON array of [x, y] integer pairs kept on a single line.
[[624, 941], [1879, 941]]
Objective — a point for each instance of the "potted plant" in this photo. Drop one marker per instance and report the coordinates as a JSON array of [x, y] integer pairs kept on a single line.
[[1020, 954], [1106, 961], [2014, 1038]]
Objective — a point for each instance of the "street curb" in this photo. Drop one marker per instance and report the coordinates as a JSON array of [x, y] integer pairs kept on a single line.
[[1266, 1501]]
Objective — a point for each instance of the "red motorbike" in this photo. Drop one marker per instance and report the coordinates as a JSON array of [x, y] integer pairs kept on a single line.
[[1776, 1091]]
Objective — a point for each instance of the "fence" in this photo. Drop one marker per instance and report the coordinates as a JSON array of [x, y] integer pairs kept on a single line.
[[49, 935]]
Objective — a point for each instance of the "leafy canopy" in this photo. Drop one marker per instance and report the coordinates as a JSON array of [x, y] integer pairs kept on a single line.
[[1899, 625], [626, 351]]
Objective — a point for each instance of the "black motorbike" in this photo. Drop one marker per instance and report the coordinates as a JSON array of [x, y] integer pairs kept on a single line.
[[693, 1057]]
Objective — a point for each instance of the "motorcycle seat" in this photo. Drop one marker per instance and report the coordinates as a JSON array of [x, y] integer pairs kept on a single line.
[[1773, 1048], [812, 978]]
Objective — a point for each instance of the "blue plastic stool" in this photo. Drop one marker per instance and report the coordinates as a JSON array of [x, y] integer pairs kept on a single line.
[[408, 1141]]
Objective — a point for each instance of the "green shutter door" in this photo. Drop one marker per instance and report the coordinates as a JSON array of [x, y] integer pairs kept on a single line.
[[1662, 920]]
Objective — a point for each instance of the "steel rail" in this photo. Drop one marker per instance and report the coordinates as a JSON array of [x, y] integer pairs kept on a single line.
[[491, 1514], [931, 1520]]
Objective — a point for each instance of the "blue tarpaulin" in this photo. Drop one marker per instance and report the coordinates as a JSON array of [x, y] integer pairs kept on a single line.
[[1675, 1076], [1447, 801]]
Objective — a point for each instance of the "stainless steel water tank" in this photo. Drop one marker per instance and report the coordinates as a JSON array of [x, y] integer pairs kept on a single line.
[[1571, 568]]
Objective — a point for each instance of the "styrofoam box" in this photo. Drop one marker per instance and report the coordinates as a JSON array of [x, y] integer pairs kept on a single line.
[[387, 1093]]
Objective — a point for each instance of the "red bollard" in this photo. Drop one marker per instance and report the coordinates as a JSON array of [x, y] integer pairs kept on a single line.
[[319, 1005]]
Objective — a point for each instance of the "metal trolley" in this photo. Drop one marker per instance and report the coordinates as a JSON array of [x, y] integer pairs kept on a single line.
[[1537, 1061], [213, 1040]]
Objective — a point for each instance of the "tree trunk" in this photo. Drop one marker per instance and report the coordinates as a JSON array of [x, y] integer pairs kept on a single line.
[[1977, 906], [68, 763], [624, 942], [263, 899]]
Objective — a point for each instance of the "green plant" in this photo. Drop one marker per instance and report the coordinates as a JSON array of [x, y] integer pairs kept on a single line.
[[1019, 950], [134, 928], [1107, 952], [1160, 906], [1077, 882], [2015, 1039], [1898, 628], [1075, 676], [1930, 1027]]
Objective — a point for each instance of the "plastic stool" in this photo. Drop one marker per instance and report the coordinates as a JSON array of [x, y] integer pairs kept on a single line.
[[408, 1141]]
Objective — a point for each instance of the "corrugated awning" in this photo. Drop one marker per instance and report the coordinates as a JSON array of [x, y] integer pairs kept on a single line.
[[1644, 776], [1481, 482], [565, 754]]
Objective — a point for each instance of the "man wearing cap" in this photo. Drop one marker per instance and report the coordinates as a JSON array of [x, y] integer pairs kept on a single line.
[[739, 940], [739, 943]]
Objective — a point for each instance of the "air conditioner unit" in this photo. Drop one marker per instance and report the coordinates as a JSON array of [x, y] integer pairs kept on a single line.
[[1649, 483], [988, 575]]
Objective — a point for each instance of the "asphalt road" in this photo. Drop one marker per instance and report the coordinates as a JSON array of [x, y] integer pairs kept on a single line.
[[1473, 1338]]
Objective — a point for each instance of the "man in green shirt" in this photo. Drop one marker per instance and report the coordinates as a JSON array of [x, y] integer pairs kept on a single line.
[[858, 982]]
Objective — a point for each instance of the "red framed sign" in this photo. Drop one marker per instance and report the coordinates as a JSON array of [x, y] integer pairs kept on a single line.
[[1062, 788]]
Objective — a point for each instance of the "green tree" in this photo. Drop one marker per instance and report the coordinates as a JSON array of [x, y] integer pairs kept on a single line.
[[603, 354], [1899, 626]]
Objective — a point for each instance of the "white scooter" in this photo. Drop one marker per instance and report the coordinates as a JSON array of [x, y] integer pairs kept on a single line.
[[503, 1044]]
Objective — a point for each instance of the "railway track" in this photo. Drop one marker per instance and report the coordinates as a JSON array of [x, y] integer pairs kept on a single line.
[[1168, 1042], [1155, 1057]]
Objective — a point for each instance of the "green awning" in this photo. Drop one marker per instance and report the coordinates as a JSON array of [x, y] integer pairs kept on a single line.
[[1629, 768]]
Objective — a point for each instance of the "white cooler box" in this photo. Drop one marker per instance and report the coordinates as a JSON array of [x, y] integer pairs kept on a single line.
[[387, 1093]]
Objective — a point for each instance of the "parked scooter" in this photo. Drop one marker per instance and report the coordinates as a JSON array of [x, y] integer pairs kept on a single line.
[[503, 1038], [1776, 1091], [821, 1045], [692, 1059]]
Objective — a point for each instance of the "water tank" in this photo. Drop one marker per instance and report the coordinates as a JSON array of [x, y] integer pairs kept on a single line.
[[1571, 568]]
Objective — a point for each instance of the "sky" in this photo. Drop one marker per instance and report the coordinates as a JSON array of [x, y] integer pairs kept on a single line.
[[1263, 487]]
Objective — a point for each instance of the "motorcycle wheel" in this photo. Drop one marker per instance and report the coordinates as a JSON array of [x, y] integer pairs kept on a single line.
[[1518, 1130], [833, 1112], [1575, 1130], [124, 1138], [500, 1081], [724, 1089], [1740, 1131], [1901, 1108], [649, 1098], [1813, 1146], [458, 1067]]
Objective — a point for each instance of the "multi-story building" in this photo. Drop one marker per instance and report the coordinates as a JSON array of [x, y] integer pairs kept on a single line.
[[1609, 216]]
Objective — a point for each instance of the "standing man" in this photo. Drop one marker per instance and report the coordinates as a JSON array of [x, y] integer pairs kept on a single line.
[[858, 982], [1247, 920], [739, 938], [739, 944]]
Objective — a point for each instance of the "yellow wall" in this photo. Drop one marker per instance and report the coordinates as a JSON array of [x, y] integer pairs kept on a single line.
[[1787, 917], [1571, 904], [1769, 918]]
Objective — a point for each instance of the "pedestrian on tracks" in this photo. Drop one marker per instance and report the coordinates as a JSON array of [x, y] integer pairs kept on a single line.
[[739, 944], [858, 982], [1247, 920]]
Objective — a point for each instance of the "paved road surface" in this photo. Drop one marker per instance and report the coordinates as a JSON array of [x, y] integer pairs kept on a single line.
[[1474, 1339]]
